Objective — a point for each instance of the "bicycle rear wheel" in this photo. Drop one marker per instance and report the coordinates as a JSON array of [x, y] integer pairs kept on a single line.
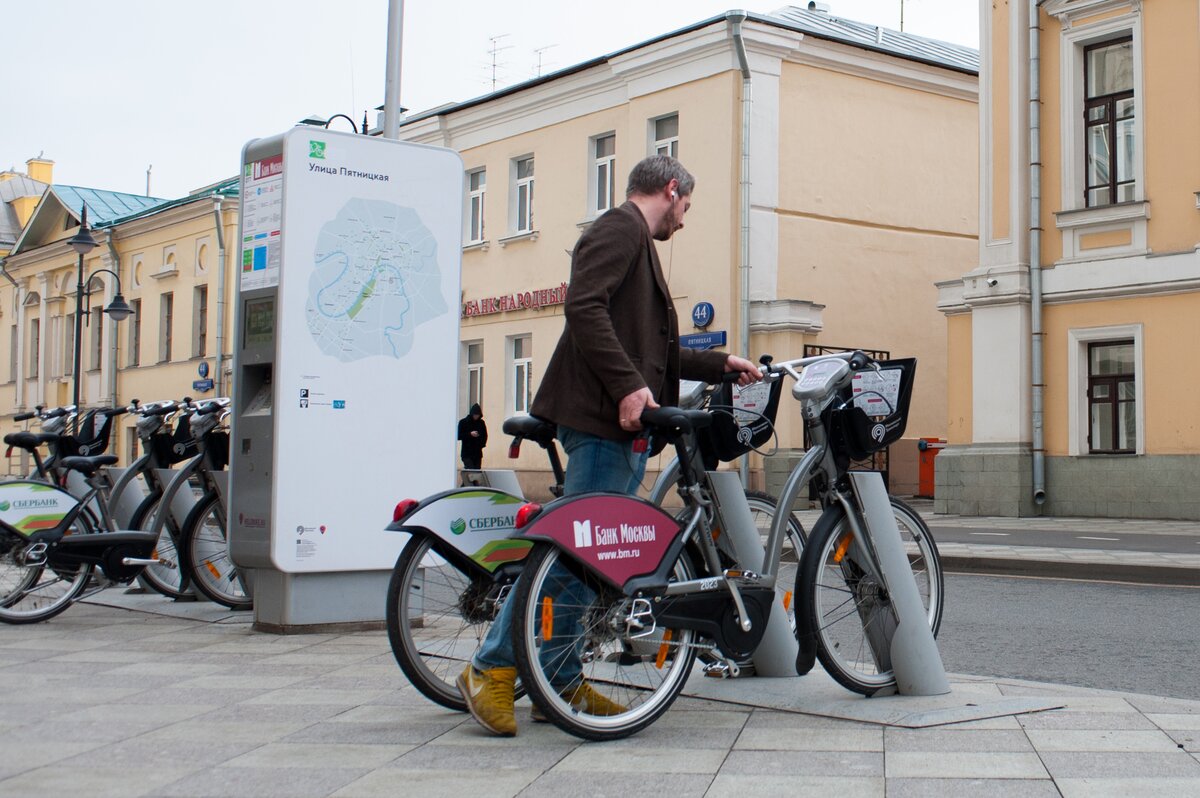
[[437, 617], [34, 588], [762, 509], [563, 625], [206, 555]]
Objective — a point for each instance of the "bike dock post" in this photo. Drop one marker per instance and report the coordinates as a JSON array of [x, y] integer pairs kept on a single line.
[[914, 653], [776, 653]]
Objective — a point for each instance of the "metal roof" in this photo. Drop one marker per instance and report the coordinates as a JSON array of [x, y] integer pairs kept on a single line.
[[824, 25], [11, 189], [103, 206]]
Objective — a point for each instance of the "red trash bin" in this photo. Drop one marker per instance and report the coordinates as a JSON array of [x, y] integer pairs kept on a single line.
[[927, 450]]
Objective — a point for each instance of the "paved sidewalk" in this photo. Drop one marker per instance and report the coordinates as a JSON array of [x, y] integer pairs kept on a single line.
[[153, 698]]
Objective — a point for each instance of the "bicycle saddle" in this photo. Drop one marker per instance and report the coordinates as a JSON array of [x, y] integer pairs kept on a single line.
[[29, 440], [531, 428], [88, 465]]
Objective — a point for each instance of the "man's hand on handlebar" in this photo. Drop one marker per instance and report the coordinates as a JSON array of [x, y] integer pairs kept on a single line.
[[631, 407], [747, 372]]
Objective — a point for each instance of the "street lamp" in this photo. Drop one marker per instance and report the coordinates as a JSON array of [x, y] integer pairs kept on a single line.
[[316, 121], [83, 243]]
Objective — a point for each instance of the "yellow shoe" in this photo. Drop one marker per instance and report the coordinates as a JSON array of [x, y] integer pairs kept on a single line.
[[489, 696], [584, 698]]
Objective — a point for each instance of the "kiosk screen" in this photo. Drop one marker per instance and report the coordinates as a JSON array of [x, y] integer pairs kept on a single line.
[[260, 322]]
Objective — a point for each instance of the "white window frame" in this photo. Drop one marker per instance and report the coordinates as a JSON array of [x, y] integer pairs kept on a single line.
[[476, 197], [166, 323], [200, 321], [601, 174], [670, 143], [472, 371], [1078, 412], [133, 357], [520, 381], [14, 353], [522, 184], [1076, 220], [35, 348]]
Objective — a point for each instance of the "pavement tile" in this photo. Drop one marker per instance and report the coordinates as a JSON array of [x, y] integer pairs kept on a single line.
[[215, 731], [601, 759], [963, 765], [558, 784], [390, 782], [1154, 705], [1109, 765], [1085, 720], [372, 733], [222, 782], [516, 755], [765, 739], [1124, 788], [770, 719], [975, 788], [110, 781], [803, 764], [319, 755], [139, 752], [1171, 722], [786, 787], [1100, 740], [348, 698], [19, 754], [244, 681], [953, 739]]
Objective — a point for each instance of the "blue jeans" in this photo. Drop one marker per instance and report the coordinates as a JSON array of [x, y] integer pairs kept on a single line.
[[593, 464]]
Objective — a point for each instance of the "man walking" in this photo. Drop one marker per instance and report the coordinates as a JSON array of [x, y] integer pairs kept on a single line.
[[619, 354]]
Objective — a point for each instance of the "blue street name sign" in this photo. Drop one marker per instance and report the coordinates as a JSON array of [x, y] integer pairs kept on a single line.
[[202, 385], [706, 340]]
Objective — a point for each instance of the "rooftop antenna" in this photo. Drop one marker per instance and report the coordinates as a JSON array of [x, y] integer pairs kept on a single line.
[[539, 52], [148, 168], [494, 51]]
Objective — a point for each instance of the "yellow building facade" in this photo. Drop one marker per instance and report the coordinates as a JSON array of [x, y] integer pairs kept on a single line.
[[1067, 391], [173, 259], [836, 170]]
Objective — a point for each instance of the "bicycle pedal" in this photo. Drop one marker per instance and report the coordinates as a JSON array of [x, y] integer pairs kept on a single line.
[[725, 669]]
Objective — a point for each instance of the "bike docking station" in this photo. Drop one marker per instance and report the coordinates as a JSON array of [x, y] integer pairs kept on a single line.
[[923, 694], [345, 366]]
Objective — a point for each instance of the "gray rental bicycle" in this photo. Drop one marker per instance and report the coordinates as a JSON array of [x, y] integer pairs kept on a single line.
[[618, 597]]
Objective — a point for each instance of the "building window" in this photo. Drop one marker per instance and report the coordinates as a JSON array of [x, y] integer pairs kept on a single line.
[[474, 373], [603, 177], [69, 345], [135, 334], [476, 189], [522, 373], [200, 322], [1112, 398], [1106, 383], [1109, 117], [166, 318], [35, 344], [666, 136], [97, 321], [14, 352], [524, 195], [131, 444]]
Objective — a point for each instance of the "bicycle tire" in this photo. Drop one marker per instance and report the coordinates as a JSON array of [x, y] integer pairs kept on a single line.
[[170, 582], [848, 610], [205, 555], [632, 675], [456, 609], [762, 509], [51, 588]]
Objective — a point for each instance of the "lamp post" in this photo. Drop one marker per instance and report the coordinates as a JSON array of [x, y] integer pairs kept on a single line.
[[83, 243]]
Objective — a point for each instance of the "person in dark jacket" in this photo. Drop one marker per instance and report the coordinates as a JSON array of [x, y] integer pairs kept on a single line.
[[619, 354], [473, 434]]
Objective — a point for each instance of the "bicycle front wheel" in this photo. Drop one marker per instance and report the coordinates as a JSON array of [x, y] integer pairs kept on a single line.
[[579, 659], [850, 610], [437, 617], [166, 576], [206, 555], [763, 508], [35, 587]]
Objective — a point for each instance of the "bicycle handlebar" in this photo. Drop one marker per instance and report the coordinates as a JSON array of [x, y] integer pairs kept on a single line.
[[24, 416], [857, 359]]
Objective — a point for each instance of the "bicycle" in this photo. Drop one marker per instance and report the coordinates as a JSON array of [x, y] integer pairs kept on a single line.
[[49, 549], [639, 593], [455, 570]]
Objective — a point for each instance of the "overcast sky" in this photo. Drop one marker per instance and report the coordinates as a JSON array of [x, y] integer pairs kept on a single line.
[[106, 89]]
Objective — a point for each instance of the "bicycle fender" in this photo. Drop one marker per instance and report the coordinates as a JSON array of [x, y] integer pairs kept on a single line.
[[475, 522], [28, 507], [618, 537]]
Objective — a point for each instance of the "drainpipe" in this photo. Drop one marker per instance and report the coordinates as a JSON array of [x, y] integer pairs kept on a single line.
[[219, 379], [736, 18], [4, 271], [1035, 254], [112, 338]]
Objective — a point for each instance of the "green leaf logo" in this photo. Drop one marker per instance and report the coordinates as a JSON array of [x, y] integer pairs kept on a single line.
[[316, 149], [4, 506], [458, 526]]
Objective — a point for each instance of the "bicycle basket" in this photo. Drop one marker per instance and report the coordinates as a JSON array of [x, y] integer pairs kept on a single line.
[[217, 446], [92, 434], [175, 447], [874, 412], [742, 419]]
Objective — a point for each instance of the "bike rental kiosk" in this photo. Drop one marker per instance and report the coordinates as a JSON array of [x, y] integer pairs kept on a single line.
[[345, 365]]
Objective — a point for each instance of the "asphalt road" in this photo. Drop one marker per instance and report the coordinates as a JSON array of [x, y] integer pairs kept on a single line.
[[1135, 638], [1065, 539]]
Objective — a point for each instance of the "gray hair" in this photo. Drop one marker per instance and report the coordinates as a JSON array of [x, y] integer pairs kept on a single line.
[[652, 175]]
